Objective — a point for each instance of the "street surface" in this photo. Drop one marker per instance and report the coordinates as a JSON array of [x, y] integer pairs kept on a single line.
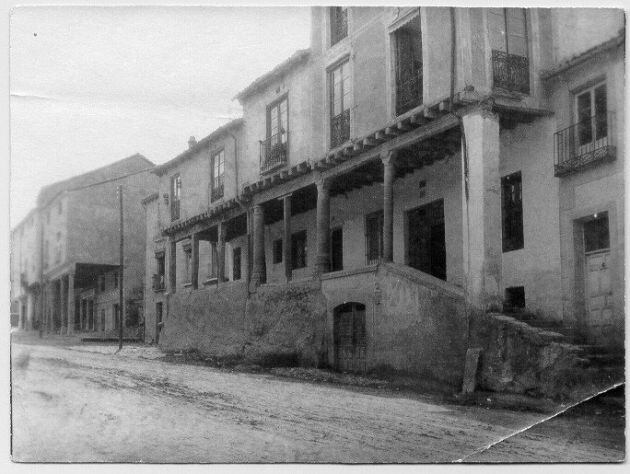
[[86, 403]]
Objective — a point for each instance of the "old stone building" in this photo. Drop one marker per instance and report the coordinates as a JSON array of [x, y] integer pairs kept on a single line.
[[392, 189], [65, 264]]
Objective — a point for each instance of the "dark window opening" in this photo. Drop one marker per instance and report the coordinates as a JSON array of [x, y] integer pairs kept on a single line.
[[273, 152], [188, 263], [514, 299], [115, 280], [426, 239], [116, 311], [158, 278], [277, 251], [176, 191], [298, 250], [408, 43], [218, 172], [336, 250], [596, 233], [512, 212], [338, 24], [236, 264], [374, 237], [340, 97]]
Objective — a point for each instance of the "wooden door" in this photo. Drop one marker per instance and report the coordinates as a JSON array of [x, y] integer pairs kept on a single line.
[[350, 338], [426, 239]]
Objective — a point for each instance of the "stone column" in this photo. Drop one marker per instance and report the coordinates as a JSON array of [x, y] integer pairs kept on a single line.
[[70, 304], [172, 266], [258, 268], [221, 251], [286, 237], [388, 205], [482, 211], [322, 258], [194, 247]]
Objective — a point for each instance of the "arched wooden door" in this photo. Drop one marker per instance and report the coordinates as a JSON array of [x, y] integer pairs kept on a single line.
[[350, 338]]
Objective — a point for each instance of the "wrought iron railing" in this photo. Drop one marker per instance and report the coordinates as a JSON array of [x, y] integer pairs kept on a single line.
[[584, 144], [338, 24], [216, 189], [340, 128], [158, 282], [409, 93], [510, 71], [273, 152]]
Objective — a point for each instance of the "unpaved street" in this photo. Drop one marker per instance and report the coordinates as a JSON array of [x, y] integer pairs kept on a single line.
[[76, 404]]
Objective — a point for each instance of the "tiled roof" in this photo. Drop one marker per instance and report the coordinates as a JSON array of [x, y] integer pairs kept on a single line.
[[586, 55], [163, 168], [296, 58]]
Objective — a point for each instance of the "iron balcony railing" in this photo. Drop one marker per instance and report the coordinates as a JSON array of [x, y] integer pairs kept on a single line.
[[510, 71], [274, 152], [157, 282], [340, 128], [409, 93], [216, 189], [584, 144]]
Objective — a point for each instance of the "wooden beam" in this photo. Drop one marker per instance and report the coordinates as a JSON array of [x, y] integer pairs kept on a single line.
[[368, 142], [392, 132], [380, 136], [428, 113]]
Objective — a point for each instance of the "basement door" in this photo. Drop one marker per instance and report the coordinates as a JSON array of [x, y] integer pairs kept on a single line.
[[350, 338], [426, 243], [599, 295]]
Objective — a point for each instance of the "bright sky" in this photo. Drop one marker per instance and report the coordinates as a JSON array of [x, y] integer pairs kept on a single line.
[[90, 86]]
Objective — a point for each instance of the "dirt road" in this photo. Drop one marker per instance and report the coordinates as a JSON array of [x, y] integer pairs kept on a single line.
[[75, 404]]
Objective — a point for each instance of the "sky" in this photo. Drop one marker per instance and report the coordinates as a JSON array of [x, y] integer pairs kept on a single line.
[[92, 85]]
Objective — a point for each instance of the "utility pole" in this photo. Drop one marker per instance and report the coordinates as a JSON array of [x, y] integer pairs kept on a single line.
[[121, 279]]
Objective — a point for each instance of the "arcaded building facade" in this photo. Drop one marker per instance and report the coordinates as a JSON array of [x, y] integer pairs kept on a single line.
[[414, 168]]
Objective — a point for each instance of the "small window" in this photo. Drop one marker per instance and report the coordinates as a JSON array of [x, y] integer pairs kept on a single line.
[[596, 233], [338, 24], [236, 264], [277, 251], [512, 210], [218, 172], [592, 114], [213, 264], [298, 250], [514, 299], [176, 193]]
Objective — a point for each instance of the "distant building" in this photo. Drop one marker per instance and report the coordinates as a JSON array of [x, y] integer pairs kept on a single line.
[[65, 265]]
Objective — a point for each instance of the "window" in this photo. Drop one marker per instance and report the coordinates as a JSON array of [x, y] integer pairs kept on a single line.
[[408, 59], [596, 234], [101, 280], [236, 263], [591, 114], [213, 267], [298, 250], [188, 262], [374, 237], [340, 93], [514, 299], [158, 278], [176, 194], [512, 212], [115, 280], [274, 148], [277, 251], [218, 171], [338, 24], [507, 28]]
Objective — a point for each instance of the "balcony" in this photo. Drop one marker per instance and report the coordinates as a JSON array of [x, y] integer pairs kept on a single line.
[[216, 189], [274, 152], [340, 129], [409, 93], [510, 71], [157, 282], [584, 144]]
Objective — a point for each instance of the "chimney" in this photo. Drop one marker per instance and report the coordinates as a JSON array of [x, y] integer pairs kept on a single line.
[[192, 141]]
